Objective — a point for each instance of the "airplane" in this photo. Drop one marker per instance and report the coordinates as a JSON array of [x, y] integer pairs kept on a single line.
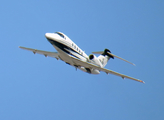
[[71, 54]]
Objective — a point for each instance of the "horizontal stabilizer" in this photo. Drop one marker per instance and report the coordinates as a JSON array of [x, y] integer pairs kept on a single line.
[[101, 52], [121, 58], [98, 52]]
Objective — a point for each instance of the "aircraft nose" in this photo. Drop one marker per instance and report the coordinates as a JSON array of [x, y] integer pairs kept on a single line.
[[47, 35], [51, 36]]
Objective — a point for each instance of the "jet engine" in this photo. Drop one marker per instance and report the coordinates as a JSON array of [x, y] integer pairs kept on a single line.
[[94, 59]]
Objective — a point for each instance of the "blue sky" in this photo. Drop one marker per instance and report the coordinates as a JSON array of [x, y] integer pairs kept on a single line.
[[33, 87]]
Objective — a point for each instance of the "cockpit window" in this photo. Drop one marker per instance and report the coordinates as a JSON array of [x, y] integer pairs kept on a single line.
[[60, 34]]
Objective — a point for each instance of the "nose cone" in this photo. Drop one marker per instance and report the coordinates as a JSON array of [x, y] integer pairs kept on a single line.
[[48, 35]]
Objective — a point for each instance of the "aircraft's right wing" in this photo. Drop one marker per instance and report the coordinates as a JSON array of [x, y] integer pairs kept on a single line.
[[45, 53], [79, 62]]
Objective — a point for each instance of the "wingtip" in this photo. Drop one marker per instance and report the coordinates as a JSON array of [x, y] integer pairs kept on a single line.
[[134, 64], [142, 81]]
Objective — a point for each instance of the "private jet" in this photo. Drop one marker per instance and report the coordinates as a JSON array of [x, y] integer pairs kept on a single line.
[[71, 54]]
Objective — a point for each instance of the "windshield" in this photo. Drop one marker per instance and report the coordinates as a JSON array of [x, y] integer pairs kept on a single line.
[[60, 34]]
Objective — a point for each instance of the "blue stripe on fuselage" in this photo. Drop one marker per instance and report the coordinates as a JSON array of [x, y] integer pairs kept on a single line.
[[64, 47]]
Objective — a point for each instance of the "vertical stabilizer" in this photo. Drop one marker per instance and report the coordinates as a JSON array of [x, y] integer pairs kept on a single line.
[[104, 57]]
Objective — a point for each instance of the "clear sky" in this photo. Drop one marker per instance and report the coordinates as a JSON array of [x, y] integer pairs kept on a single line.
[[33, 87]]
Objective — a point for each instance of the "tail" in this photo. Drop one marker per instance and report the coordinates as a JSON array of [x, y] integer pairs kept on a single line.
[[104, 57]]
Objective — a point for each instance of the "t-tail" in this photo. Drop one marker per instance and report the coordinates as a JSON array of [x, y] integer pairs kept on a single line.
[[106, 55]]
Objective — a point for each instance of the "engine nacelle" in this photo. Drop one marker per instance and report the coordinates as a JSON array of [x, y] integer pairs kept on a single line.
[[90, 71], [94, 59]]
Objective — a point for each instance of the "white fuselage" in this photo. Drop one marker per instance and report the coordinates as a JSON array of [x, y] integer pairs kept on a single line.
[[66, 48]]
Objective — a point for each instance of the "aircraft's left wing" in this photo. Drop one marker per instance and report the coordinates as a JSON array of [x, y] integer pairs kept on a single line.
[[45, 53], [79, 62]]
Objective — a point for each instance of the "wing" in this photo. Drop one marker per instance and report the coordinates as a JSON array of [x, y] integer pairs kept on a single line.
[[45, 53], [93, 66]]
